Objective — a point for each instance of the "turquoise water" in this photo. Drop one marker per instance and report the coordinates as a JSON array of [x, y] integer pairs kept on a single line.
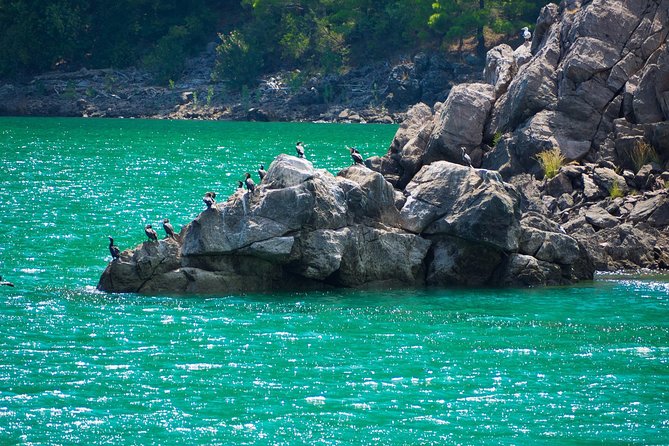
[[574, 365]]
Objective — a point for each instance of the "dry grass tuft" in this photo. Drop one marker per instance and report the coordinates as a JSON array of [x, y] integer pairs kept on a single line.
[[642, 154], [551, 161]]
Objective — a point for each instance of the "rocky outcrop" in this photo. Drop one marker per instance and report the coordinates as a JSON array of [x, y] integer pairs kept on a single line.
[[593, 64], [306, 228], [594, 84]]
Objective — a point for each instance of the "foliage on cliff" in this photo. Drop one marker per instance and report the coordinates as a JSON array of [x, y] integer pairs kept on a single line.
[[320, 35]]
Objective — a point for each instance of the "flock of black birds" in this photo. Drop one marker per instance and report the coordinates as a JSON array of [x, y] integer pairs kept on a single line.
[[209, 199], [150, 233]]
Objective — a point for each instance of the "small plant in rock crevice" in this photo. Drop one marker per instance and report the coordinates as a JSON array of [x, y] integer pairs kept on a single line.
[[551, 160], [496, 138], [616, 191]]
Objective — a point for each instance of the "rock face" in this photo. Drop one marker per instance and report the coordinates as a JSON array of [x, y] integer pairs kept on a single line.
[[594, 84], [593, 63], [305, 228]]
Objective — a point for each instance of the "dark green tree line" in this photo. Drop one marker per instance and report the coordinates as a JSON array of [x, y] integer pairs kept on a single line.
[[255, 35], [40, 35]]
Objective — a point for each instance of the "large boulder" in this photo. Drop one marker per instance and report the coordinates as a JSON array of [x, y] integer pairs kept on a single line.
[[300, 227], [135, 268], [460, 123], [406, 152], [473, 204], [377, 196], [461, 262], [500, 67], [592, 64]]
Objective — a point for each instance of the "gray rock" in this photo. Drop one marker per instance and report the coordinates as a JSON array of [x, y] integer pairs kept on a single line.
[[407, 150], [379, 195], [558, 185], [623, 247], [606, 178], [287, 171], [320, 252], [522, 55], [500, 68], [524, 270], [547, 241], [277, 249], [460, 122], [565, 201], [532, 90], [600, 218], [458, 262], [446, 198], [378, 257], [415, 120], [654, 210], [590, 189], [131, 272], [644, 178]]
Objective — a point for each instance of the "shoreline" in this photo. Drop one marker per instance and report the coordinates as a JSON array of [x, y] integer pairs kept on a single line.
[[378, 93]]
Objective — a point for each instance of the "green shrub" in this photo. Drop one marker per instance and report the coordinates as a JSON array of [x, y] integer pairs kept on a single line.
[[642, 154], [210, 95], [237, 61], [166, 60], [70, 90], [551, 161]]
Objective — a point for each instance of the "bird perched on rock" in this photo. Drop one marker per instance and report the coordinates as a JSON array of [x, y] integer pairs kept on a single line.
[[465, 157], [262, 172], [151, 233], [209, 199], [5, 283], [299, 148], [240, 185], [527, 35], [113, 249], [357, 158], [250, 185], [169, 229]]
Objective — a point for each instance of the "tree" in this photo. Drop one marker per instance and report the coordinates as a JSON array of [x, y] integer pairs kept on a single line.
[[238, 62], [459, 19]]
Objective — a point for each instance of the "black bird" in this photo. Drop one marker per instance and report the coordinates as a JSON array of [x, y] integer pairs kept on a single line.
[[151, 233], [169, 229], [209, 199], [240, 185], [113, 249], [465, 158], [357, 158], [250, 185], [262, 172], [299, 148], [3, 283]]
